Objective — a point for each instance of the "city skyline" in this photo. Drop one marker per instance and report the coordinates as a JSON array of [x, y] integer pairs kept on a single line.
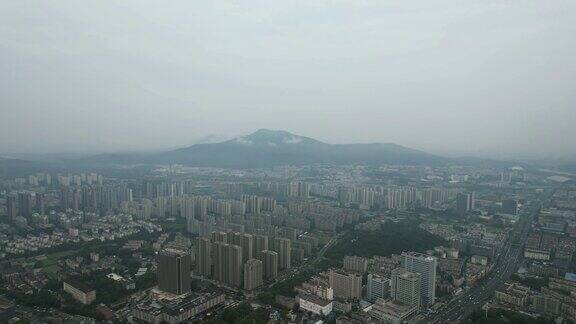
[[342, 162]]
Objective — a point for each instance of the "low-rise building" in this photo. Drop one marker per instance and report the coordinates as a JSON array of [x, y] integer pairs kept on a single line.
[[392, 312], [178, 310], [513, 294], [80, 291], [315, 304]]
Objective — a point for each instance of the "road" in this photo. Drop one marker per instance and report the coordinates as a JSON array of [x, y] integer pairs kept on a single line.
[[508, 261], [287, 274]]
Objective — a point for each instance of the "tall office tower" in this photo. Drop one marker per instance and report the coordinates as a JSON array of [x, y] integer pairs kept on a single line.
[[260, 244], [40, 203], [405, 287], [204, 257], [424, 265], [510, 206], [174, 271], [221, 237], [284, 249], [253, 274], [465, 202], [228, 263], [355, 263], [270, 260], [347, 285], [25, 204], [377, 287], [11, 207]]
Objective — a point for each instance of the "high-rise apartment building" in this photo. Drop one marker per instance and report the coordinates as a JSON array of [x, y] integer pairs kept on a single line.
[[227, 259], [424, 265], [246, 242], [284, 249], [270, 260], [25, 204], [174, 271], [253, 272], [405, 287], [40, 203], [253, 203], [260, 244], [221, 237], [204, 257], [11, 207], [347, 285], [465, 202], [510, 206], [377, 287], [355, 263]]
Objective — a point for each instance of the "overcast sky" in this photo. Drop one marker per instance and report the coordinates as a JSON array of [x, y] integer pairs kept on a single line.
[[460, 77]]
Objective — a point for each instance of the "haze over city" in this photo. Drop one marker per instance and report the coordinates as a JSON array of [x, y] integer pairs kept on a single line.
[[481, 78], [287, 162]]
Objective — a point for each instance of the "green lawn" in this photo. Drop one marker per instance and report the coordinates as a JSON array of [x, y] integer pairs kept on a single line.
[[50, 264]]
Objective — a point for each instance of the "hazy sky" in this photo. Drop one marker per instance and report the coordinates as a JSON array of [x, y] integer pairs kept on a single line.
[[489, 77]]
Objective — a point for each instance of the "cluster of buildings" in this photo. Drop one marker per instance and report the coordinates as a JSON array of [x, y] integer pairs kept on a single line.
[[555, 300], [74, 227], [242, 260], [173, 300], [397, 288]]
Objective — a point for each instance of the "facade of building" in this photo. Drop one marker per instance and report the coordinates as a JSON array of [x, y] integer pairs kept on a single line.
[[405, 287], [270, 260], [80, 291], [391, 312], [174, 271], [228, 263], [11, 207], [356, 264], [253, 273], [347, 285], [260, 244], [284, 249], [513, 294], [465, 202], [315, 304], [178, 310], [510, 206], [424, 265], [204, 257], [377, 287]]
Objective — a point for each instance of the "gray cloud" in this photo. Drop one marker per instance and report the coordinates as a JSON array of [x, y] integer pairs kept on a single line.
[[479, 77]]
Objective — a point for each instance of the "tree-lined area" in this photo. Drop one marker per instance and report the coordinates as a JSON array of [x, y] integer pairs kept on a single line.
[[390, 238]]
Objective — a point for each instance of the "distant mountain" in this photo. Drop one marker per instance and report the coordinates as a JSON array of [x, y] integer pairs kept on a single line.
[[263, 148], [18, 167], [266, 148]]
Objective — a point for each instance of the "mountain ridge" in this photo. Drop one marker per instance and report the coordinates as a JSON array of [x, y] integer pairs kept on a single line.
[[264, 148]]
